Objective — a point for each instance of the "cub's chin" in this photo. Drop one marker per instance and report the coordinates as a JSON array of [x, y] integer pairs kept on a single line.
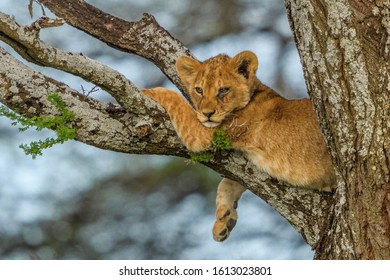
[[210, 124]]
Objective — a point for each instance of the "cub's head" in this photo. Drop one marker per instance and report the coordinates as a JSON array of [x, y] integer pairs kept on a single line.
[[218, 86]]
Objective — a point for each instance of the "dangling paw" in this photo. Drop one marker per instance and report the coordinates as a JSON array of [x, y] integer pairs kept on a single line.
[[226, 219]]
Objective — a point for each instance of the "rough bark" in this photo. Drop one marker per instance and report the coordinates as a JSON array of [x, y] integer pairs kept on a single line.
[[138, 125], [345, 52]]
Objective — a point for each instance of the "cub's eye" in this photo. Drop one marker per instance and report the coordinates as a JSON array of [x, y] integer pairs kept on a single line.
[[223, 91], [199, 90]]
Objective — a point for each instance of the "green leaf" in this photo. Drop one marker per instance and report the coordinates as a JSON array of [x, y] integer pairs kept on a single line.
[[61, 124], [221, 140], [202, 157]]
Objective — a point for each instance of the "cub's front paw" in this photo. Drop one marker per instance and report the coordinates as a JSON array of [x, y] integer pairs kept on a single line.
[[163, 96], [226, 218], [153, 93]]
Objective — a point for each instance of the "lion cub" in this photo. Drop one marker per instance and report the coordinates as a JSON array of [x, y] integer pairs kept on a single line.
[[281, 137]]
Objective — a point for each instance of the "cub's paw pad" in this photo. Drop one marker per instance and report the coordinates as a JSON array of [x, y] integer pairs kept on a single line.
[[226, 219], [328, 189]]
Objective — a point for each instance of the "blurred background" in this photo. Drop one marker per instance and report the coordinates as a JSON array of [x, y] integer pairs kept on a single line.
[[79, 202]]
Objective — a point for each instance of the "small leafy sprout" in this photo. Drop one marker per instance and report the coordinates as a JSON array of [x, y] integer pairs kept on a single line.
[[202, 157], [220, 141], [62, 125]]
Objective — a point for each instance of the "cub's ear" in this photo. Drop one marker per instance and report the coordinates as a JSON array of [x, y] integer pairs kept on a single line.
[[245, 63], [187, 68]]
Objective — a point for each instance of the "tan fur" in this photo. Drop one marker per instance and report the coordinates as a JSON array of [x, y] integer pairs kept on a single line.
[[281, 137]]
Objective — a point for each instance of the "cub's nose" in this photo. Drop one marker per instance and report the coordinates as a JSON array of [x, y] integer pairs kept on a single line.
[[208, 114]]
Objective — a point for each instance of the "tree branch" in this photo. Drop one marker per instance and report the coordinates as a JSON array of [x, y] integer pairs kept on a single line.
[[145, 37], [143, 127], [102, 125], [25, 40]]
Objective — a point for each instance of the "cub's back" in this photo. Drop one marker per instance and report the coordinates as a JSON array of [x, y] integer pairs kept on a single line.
[[284, 139]]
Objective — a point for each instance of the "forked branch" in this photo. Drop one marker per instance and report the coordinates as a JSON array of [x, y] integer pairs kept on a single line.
[[142, 126]]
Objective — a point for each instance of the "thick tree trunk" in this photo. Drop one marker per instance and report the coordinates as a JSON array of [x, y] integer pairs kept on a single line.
[[345, 52]]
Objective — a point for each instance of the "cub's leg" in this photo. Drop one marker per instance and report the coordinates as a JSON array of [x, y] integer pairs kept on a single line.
[[228, 194], [193, 134]]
